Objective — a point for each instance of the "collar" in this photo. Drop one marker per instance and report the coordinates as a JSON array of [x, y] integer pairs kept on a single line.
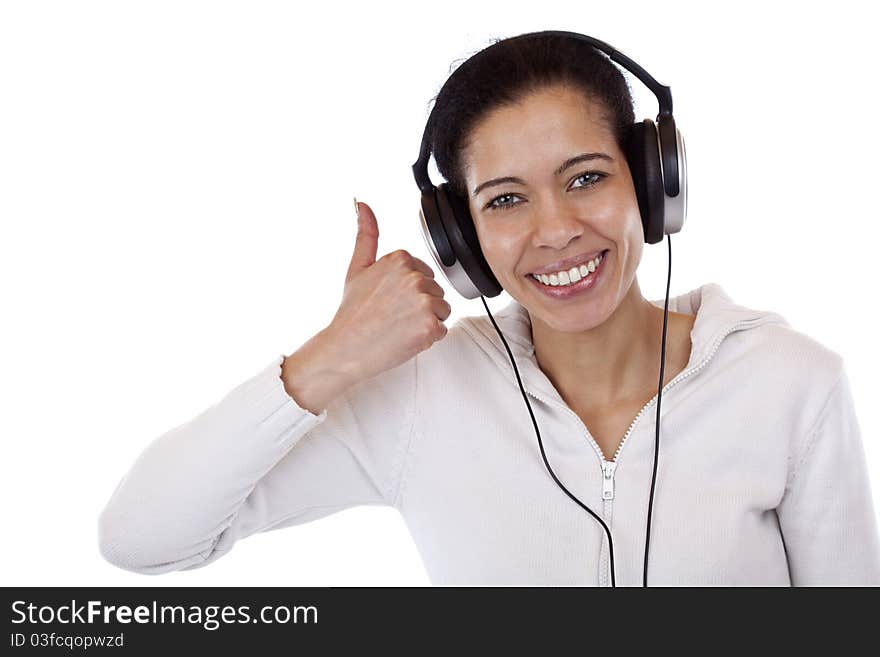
[[717, 315]]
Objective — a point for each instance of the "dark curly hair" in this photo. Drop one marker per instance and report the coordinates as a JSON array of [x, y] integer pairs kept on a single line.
[[508, 70]]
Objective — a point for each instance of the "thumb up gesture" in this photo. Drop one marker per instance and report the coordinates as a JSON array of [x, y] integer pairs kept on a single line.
[[391, 309]]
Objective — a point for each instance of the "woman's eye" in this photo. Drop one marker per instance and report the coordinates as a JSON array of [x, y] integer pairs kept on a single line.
[[586, 174], [495, 203]]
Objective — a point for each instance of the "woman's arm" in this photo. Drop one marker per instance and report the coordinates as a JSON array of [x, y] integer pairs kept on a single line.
[[256, 461], [827, 514]]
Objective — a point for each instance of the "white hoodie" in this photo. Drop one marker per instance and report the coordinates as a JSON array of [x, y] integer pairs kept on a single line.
[[761, 480]]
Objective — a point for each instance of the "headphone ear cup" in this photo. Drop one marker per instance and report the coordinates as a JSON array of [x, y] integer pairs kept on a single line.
[[643, 157], [459, 225]]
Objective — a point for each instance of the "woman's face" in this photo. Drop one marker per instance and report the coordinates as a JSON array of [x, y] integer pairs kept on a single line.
[[528, 226]]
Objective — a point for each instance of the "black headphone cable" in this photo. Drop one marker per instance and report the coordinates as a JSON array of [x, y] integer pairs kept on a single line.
[[657, 420]]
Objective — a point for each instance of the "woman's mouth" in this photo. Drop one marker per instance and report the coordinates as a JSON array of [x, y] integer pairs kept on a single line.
[[571, 282]]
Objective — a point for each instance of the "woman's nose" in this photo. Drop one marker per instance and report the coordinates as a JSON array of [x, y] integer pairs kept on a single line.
[[556, 225]]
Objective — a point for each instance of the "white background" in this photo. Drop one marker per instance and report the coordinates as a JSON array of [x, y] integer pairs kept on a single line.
[[176, 183]]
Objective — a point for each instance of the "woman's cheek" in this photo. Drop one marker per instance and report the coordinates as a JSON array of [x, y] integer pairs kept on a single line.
[[502, 256]]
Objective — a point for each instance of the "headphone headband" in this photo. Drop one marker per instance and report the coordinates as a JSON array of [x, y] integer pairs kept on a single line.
[[661, 91]]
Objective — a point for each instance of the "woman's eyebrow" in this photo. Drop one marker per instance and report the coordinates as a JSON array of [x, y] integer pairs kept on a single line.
[[570, 162]]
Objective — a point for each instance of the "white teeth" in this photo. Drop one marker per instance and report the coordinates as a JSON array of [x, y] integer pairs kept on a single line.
[[570, 276]]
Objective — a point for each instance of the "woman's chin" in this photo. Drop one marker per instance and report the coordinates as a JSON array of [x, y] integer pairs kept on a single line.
[[573, 318]]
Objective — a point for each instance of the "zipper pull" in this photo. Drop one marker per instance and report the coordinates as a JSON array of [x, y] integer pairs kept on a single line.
[[608, 479]]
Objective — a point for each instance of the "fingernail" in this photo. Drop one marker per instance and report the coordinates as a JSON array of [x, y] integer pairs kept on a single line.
[[357, 210]]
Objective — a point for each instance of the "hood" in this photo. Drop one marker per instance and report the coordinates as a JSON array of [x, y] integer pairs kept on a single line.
[[716, 316]]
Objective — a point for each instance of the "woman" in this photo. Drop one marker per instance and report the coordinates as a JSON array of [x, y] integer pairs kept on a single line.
[[383, 406]]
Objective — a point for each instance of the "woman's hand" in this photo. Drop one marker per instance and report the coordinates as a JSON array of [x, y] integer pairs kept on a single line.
[[391, 309]]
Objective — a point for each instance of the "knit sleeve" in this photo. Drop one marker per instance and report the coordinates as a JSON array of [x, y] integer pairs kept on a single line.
[[827, 515], [253, 462]]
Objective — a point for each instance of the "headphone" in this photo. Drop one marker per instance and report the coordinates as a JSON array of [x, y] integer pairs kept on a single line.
[[655, 153]]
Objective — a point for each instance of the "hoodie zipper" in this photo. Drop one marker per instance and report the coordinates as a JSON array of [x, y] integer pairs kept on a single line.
[[608, 479]]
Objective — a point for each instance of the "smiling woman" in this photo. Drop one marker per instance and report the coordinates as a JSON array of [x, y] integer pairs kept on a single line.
[[557, 214], [553, 203]]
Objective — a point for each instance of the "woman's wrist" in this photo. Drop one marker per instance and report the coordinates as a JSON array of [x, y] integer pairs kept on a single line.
[[312, 377]]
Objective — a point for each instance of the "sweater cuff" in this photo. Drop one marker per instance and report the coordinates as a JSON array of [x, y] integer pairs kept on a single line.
[[276, 412]]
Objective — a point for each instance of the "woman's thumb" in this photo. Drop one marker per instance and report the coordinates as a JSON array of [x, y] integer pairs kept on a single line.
[[367, 241]]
